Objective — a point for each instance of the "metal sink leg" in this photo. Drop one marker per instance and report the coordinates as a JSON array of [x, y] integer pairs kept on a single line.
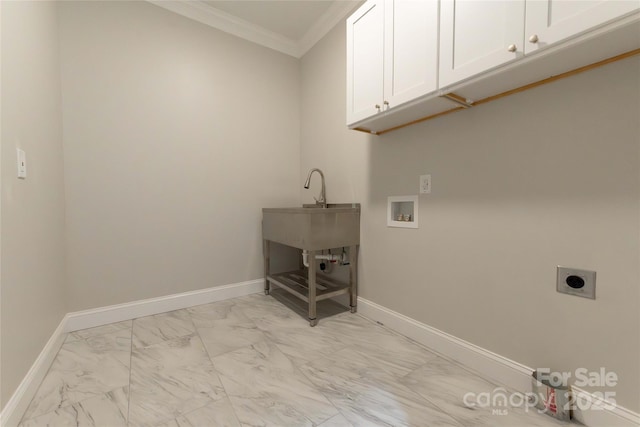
[[313, 320], [353, 278], [266, 248]]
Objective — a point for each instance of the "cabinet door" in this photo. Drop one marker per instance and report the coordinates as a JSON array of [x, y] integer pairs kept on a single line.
[[365, 44], [411, 50], [551, 21], [477, 35]]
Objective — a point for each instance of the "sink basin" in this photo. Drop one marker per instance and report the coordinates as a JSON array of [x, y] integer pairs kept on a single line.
[[311, 227]]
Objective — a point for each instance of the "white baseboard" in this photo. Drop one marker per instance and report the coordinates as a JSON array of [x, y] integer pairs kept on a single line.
[[17, 405], [603, 414], [493, 366], [132, 310]]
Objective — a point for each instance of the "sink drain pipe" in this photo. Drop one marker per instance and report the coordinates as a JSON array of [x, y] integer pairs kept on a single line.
[[342, 258]]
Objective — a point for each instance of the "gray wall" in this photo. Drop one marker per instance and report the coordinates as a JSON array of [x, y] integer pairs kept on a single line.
[[545, 177], [32, 280], [175, 136]]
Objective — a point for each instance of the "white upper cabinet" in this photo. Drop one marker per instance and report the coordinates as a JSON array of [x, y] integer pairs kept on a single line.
[[413, 60], [411, 50], [365, 59], [392, 55], [477, 35], [551, 21]]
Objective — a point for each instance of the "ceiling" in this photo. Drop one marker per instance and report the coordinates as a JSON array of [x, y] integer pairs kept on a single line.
[[289, 26]]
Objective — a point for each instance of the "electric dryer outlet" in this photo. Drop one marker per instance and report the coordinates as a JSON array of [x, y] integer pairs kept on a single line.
[[572, 281]]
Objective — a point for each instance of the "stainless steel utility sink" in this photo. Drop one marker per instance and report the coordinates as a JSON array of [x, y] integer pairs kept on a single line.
[[311, 227]]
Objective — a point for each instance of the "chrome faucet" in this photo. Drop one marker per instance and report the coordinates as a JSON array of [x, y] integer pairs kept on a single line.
[[322, 201]]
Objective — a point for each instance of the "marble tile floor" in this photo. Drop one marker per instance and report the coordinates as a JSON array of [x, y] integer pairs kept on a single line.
[[254, 361]]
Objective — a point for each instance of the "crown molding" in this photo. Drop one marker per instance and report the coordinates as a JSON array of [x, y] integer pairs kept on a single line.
[[201, 12], [336, 12], [223, 21]]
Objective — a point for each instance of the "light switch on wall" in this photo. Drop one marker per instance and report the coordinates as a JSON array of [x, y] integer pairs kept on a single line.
[[22, 164]]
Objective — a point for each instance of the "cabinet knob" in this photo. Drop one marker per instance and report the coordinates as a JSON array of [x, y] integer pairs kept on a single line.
[[386, 104], [378, 107], [533, 39], [512, 48]]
